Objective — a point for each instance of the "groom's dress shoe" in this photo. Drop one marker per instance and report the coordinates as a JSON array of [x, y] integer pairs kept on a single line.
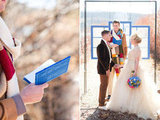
[[102, 107]]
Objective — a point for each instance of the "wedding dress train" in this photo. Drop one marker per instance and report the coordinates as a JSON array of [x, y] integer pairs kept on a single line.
[[144, 101]]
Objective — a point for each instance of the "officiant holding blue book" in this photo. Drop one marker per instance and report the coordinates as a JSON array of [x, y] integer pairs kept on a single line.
[[12, 101]]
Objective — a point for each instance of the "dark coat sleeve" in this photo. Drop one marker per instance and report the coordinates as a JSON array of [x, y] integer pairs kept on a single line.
[[101, 57], [111, 65]]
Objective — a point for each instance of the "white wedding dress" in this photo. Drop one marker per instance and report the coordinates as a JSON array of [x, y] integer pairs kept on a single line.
[[144, 101]]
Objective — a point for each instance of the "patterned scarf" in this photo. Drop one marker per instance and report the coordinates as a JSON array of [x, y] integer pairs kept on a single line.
[[9, 53], [117, 53], [6, 64]]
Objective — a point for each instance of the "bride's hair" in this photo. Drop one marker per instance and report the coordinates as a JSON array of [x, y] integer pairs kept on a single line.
[[137, 38]]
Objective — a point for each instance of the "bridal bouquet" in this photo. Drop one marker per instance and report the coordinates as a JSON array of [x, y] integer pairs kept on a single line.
[[134, 81]]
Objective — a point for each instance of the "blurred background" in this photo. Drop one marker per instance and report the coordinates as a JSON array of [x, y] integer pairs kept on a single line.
[[47, 29]]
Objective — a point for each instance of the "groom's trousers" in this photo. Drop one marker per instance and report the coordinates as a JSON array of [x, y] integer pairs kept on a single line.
[[103, 89]]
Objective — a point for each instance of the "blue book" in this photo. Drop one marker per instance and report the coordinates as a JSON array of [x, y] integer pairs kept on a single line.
[[48, 71]]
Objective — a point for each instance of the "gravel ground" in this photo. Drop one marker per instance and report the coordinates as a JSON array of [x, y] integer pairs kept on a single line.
[[96, 114]]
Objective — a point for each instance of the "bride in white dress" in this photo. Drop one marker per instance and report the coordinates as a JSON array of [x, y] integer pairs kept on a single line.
[[144, 101]]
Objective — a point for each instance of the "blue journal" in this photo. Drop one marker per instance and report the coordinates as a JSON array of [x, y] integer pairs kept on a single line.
[[48, 71]]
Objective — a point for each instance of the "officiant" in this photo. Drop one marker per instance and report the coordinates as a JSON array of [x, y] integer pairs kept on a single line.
[[12, 102], [119, 48]]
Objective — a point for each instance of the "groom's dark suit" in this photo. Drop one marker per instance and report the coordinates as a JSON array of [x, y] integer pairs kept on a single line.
[[104, 64]]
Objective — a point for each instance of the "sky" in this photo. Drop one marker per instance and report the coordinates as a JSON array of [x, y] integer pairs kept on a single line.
[[141, 8], [129, 7], [42, 4]]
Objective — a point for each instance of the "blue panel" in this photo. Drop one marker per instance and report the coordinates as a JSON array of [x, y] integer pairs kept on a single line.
[[94, 26], [130, 32], [148, 57]]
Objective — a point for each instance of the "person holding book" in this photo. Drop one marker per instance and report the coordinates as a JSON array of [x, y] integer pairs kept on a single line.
[[12, 102], [118, 47]]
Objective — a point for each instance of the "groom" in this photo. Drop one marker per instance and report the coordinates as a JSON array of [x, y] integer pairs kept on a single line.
[[119, 52], [104, 65]]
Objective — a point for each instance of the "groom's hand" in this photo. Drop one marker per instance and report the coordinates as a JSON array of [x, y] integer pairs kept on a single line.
[[114, 45], [116, 66]]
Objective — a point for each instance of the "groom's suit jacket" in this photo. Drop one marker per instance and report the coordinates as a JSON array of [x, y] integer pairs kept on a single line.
[[103, 63]]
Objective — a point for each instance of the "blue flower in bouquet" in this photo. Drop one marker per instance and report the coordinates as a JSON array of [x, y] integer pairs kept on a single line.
[[134, 82]]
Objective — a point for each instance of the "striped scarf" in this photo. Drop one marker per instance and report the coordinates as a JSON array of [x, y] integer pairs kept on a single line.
[[117, 53], [6, 64], [10, 51]]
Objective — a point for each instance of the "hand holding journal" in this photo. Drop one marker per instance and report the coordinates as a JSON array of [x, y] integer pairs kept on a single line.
[[48, 71]]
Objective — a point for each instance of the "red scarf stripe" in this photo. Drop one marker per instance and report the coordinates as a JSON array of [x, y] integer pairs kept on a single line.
[[117, 70], [6, 64]]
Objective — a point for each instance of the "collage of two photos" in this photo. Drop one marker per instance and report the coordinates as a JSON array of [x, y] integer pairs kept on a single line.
[[79, 60], [119, 60]]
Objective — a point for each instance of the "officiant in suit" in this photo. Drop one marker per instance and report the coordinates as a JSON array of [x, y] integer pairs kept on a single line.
[[104, 66], [12, 101]]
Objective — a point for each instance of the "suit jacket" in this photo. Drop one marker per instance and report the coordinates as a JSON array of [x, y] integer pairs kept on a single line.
[[103, 63]]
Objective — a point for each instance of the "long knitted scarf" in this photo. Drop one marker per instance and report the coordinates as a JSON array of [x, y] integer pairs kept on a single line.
[[117, 53], [7, 55], [6, 64]]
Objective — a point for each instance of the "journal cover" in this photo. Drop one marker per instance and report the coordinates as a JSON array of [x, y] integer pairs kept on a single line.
[[48, 71]]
